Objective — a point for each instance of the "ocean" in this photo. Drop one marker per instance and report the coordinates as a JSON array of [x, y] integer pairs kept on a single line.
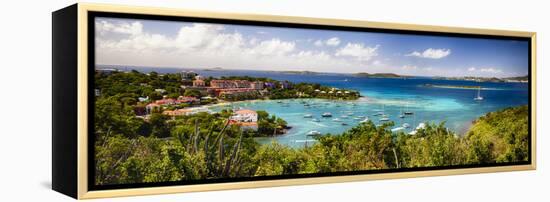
[[391, 96]]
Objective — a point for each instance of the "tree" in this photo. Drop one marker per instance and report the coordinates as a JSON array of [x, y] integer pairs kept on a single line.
[[159, 125], [192, 93], [155, 95]]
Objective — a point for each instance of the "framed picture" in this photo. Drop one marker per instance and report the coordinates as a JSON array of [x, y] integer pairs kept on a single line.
[[152, 101]]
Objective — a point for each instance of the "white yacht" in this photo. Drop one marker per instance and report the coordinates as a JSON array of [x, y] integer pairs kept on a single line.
[[313, 133]]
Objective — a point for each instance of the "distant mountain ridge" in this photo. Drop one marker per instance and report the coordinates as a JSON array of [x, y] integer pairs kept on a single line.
[[378, 75]]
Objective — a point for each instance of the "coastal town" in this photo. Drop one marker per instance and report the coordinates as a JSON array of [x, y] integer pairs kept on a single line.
[[196, 93]]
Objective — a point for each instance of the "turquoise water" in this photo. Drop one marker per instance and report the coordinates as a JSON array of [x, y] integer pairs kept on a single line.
[[430, 105]]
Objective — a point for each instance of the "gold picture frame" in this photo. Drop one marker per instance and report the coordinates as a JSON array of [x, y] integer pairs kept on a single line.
[[78, 187]]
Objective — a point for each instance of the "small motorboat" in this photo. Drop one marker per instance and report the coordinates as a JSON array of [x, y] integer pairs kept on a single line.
[[397, 129], [406, 125], [308, 116], [364, 120], [344, 124], [315, 120], [326, 114], [313, 133]]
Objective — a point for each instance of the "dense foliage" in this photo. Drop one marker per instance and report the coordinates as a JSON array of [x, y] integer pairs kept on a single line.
[[133, 84], [205, 146]]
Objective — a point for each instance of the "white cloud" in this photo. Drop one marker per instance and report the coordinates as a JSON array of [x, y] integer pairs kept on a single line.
[[358, 51], [121, 28], [207, 45], [377, 63], [490, 70], [409, 67], [273, 47], [431, 53], [318, 43], [334, 41]]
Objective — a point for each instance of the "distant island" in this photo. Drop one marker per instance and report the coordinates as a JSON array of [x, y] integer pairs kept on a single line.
[[452, 86], [518, 79], [378, 75], [300, 72]]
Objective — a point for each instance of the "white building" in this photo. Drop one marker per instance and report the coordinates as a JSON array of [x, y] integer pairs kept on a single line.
[[245, 115]]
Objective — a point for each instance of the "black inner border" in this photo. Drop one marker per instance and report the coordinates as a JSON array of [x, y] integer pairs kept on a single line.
[[91, 72]]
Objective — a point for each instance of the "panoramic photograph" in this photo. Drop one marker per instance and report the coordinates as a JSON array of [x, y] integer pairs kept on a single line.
[[189, 102]]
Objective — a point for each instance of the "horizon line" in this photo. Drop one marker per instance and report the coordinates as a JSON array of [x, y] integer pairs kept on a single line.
[[319, 72]]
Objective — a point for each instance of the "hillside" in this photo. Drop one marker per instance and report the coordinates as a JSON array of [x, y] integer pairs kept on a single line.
[[500, 136]]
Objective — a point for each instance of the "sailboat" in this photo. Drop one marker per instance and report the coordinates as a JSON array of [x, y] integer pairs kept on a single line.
[[407, 112], [401, 115], [478, 98], [384, 116]]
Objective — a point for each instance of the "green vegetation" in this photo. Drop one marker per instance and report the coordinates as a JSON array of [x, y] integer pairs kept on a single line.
[[270, 125], [500, 136], [205, 146], [134, 84]]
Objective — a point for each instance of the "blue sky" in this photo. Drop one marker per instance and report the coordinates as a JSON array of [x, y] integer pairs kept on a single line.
[[203, 45]]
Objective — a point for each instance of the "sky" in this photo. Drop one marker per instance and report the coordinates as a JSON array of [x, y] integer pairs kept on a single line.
[[152, 43]]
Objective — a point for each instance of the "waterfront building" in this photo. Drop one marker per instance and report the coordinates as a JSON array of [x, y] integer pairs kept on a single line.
[[188, 75], [244, 115], [258, 85], [185, 111], [230, 84], [245, 118], [231, 93], [285, 85], [199, 83], [187, 99], [199, 77]]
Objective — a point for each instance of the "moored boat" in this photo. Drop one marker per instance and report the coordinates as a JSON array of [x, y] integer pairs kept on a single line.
[[326, 114], [313, 133]]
